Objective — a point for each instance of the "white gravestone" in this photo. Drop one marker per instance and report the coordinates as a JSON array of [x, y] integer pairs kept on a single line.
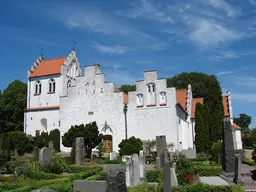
[[174, 180], [45, 155], [112, 155], [132, 170], [142, 166]]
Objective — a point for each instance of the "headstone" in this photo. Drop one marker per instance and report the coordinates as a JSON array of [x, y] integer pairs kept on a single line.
[[16, 153], [142, 166], [167, 176], [116, 182], [161, 148], [238, 176], [174, 180], [51, 145], [228, 147], [36, 152], [219, 158], [132, 170], [158, 163], [45, 155], [114, 169], [174, 165], [79, 150], [89, 186], [112, 155]]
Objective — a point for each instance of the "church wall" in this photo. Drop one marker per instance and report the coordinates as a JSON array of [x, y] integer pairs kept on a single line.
[[146, 122], [45, 98], [98, 102], [33, 120]]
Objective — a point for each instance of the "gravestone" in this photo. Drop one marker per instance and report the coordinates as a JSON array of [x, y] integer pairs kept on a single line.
[[228, 147], [16, 153], [174, 180], [161, 148], [238, 176], [158, 163], [51, 145], [116, 182], [79, 150], [219, 158], [132, 170], [112, 155], [45, 155], [89, 186], [36, 152], [167, 176], [142, 166]]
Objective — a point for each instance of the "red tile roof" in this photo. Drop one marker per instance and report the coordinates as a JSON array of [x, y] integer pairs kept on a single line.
[[42, 108], [236, 126], [48, 67], [194, 102], [181, 97]]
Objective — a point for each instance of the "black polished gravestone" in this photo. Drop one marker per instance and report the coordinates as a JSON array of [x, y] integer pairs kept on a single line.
[[116, 182], [228, 163]]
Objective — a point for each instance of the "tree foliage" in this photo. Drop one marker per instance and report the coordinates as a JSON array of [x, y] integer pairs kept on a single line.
[[130, 146], [89, 132], [12, 104], [127, 88], [206, 86], [243, 121], [202, 141]]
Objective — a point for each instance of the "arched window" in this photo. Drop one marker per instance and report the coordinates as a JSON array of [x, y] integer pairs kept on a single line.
[[162, 98], [38, 88], [51, 86], [139, 100], [151, 94]]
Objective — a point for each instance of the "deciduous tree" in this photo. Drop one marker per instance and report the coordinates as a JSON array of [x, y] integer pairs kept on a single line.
[[130, 146], [127, 88], [89, 132], [243, 121]]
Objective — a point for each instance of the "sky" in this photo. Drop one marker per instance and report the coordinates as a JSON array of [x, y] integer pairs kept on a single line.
[[128, 37]]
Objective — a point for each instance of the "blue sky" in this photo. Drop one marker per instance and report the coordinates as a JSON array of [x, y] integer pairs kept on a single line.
[[128, 37]]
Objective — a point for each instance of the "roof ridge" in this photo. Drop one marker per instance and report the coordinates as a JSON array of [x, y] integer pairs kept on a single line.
[[54, 58]]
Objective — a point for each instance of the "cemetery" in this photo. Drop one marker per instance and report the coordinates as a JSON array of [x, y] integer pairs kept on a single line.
[[45, 169]]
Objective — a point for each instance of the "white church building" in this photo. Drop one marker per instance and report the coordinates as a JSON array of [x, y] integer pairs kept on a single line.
[[60, 94]]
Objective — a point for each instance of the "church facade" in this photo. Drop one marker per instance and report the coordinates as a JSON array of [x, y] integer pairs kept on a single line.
[[61, 94]]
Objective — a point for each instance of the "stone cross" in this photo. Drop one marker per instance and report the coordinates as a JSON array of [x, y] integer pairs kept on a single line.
[[167, 176], [228, 162], [238, 177], [161, 148], [79, 150], [132, 170], [142, 166], [45, 155]]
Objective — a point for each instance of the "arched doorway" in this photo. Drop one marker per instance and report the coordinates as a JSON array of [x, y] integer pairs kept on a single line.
[[107, 139], [107, 133]]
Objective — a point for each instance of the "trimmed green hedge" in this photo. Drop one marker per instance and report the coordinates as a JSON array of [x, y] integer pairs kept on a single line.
[[208, 170], [188, 188], [248, 162], [154, 175]]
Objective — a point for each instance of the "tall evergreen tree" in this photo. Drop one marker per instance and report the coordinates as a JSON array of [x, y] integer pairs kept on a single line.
[[208, 87], [202, 141]]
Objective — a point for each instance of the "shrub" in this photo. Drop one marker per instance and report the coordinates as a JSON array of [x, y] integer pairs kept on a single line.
[[216, 148], [153, 175], [83, 175], [54, 136], [130, 146], [102, 175], [248, 162], [118, 160], [207, 170], [187, 188], [57, 166]]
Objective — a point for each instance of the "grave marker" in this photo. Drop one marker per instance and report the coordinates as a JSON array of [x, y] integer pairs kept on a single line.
[[45, 155]]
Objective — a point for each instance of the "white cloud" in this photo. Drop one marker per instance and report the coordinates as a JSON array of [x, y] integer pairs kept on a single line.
[[149, 11], [209, 33], [223, 55], [115, 49], [233, 71], [246, 81], [253, 2], [222, 5], [246, 97]]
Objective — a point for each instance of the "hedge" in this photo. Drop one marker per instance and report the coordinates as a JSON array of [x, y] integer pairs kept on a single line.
[[248, 162], [153, 175], [188, 188], [208, 170]]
